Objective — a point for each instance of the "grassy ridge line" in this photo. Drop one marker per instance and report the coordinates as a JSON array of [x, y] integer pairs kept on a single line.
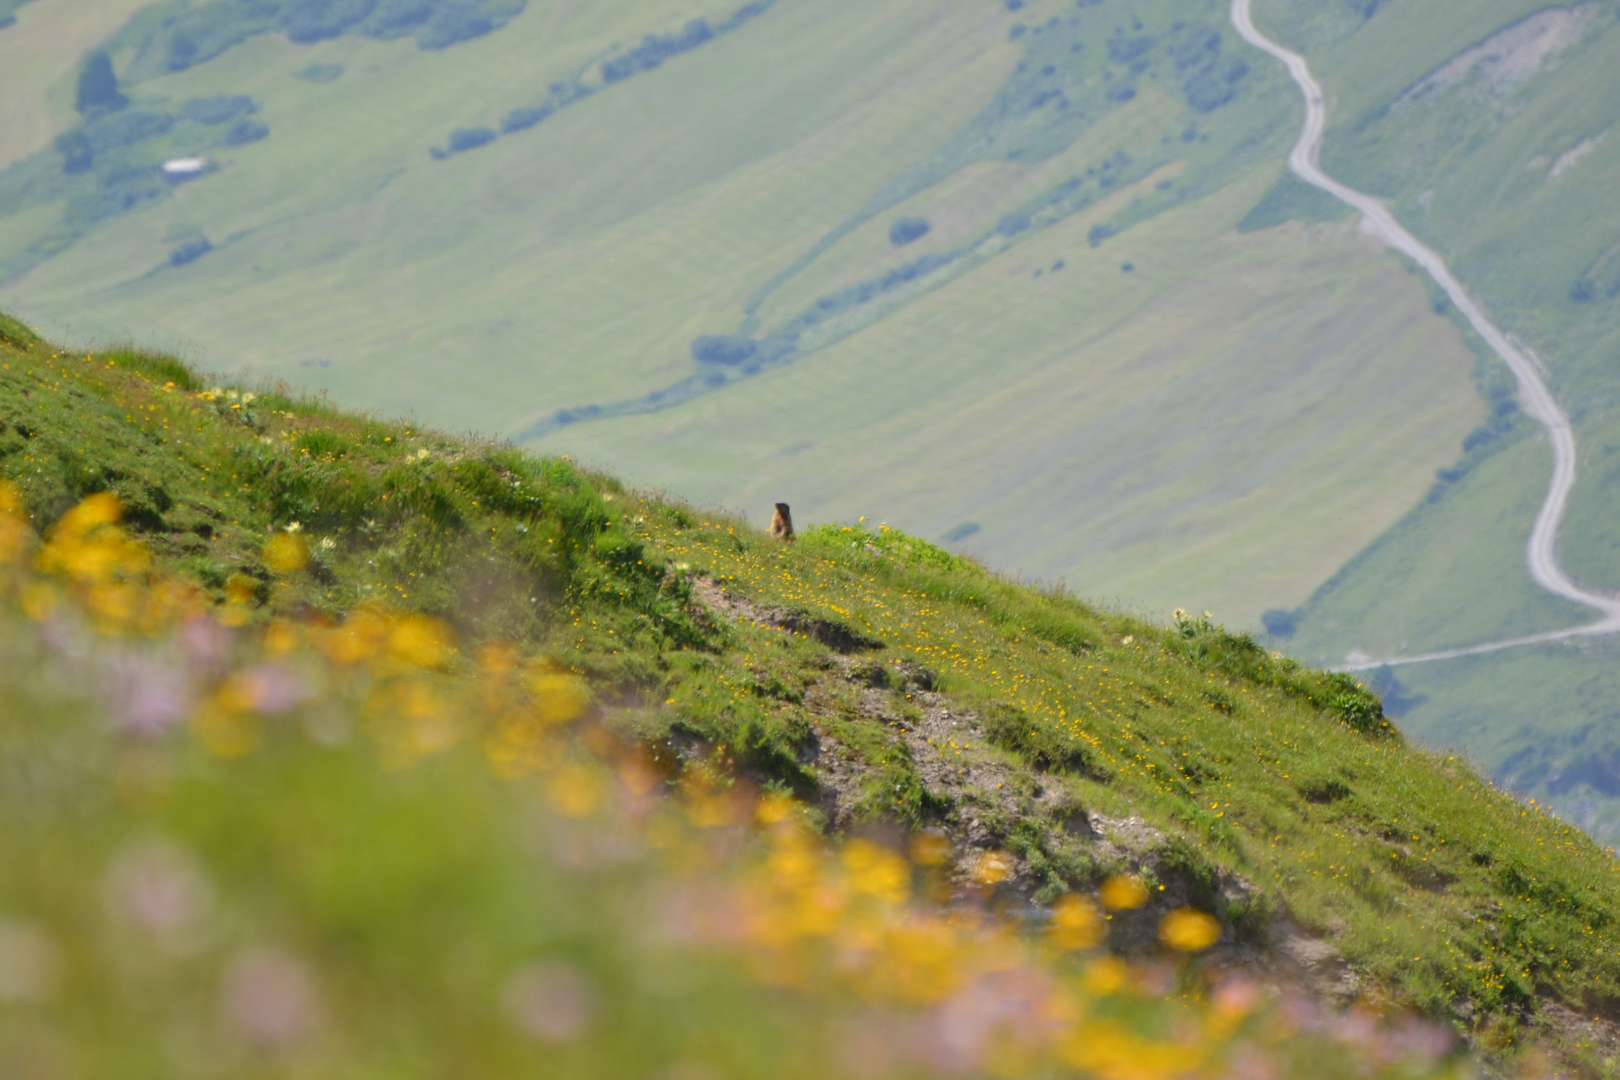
[[1442, 892]]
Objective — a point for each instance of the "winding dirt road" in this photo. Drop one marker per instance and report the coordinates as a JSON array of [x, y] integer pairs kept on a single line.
[[1534, 396]]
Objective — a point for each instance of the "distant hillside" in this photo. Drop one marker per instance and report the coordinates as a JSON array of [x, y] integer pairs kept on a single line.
[[896, 688], [1076, 369]]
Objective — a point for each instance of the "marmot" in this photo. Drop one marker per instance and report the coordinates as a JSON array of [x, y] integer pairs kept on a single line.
[[782, 524]]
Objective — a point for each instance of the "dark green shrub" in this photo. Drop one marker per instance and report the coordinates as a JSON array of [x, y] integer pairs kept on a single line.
[[1013, 224], [655, 49], [907, 229], [452, 24], [111, 132], [727, 350], [396, 18], [464, 139], [320, 73], [98, 86], [518, 119], [77, 154], [306, 21], [1125, 49], [122, 188], [190, 251], [1213, 87], [1280, 623], [246, 131], [1198, 49]]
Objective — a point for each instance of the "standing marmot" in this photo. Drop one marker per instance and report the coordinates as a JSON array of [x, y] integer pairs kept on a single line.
[[782, 523]]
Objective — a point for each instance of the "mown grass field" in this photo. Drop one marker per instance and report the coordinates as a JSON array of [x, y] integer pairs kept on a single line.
[[571, 263], [1261, 793]]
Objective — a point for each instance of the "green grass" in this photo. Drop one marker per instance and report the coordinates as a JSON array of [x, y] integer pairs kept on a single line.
[[1553, 712], [1291, 199], [1245, 763]]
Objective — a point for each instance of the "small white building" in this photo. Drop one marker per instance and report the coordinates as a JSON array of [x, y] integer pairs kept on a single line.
[[186, 168]]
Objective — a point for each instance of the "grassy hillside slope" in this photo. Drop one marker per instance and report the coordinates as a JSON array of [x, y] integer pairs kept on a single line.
[[1505, 167], [656, 210], [889, 684]]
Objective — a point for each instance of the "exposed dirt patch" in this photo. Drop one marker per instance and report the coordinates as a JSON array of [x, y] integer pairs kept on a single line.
[[836, 636], [1510, 57]]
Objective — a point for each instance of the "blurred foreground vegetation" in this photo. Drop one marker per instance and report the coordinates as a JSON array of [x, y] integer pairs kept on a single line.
[[336, 747]]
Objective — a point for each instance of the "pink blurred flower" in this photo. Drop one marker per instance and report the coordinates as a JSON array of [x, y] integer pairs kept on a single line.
[[206, 642], [1006, 1002], [552, 1001], [269, 998], [873, 1044], [1252, 1063], [147, 697], [274, 689], [158, 886]]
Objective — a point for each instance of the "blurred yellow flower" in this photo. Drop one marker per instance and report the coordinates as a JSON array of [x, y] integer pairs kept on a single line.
[[1124, 892], [286, 553], [1105, 976], [876, 871], [930, 849], [1189, 930], [577, 790], [1076, 923], [10, 498], [14, 532], [420, 641], [224, 730], [993, 867], [101, 508], [559, 696], [773, 808]]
